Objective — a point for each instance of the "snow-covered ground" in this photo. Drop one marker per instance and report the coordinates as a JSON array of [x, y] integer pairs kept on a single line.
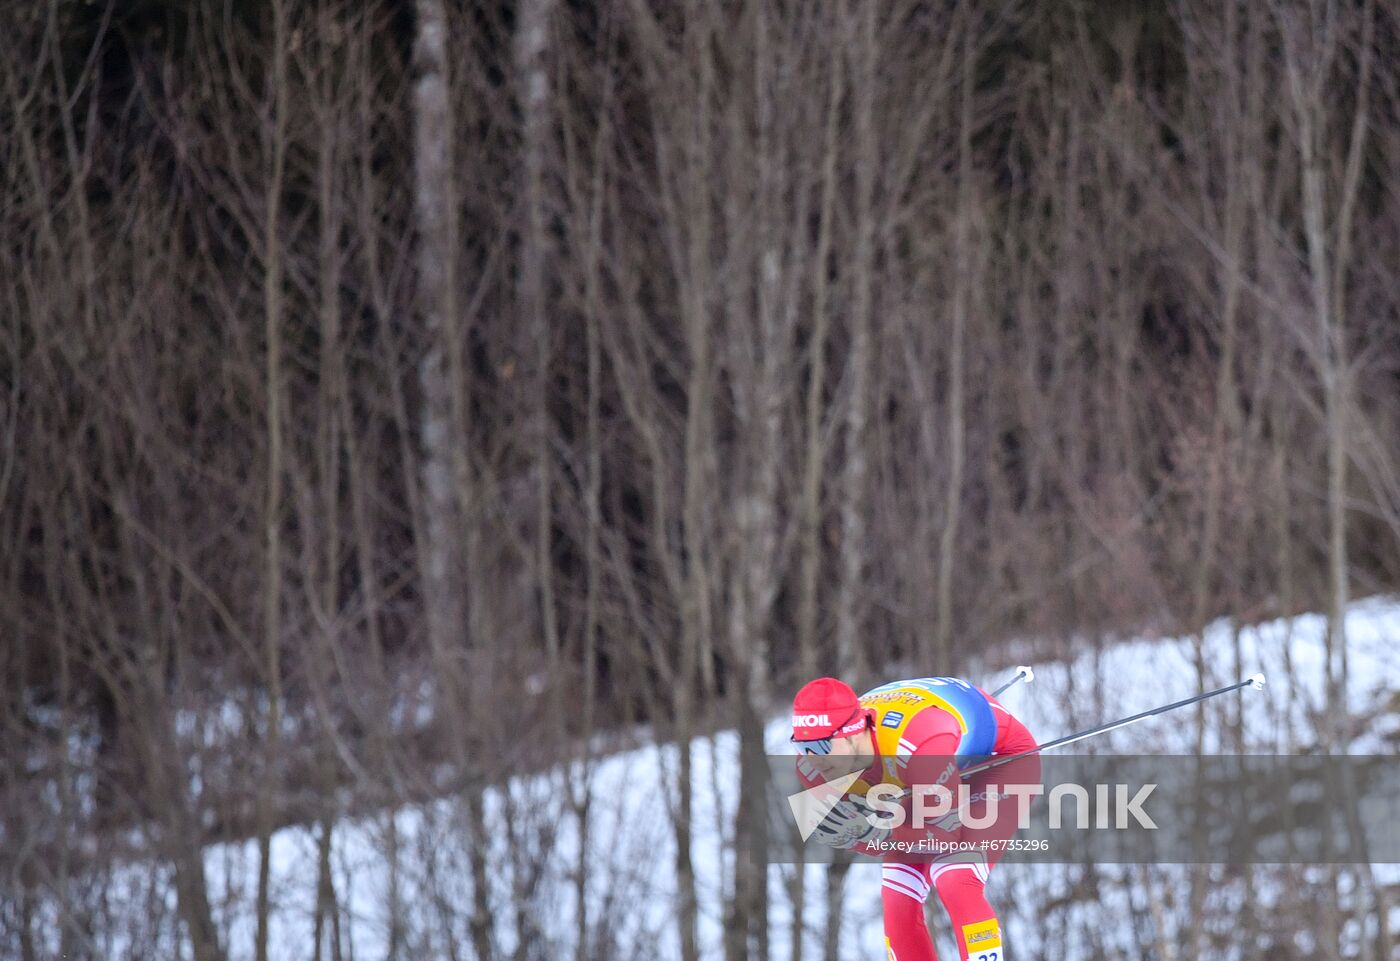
[[631, 862]]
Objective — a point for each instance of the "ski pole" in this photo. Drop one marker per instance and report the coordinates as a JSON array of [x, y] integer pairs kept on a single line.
[[1255, 681], [1022, 673]]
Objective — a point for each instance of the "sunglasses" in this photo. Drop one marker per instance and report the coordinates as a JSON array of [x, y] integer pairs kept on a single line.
[[822, 746]]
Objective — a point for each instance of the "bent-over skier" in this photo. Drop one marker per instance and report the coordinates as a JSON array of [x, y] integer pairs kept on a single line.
[[918, 731]]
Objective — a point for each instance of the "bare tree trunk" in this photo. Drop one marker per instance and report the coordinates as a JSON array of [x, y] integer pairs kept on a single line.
[[437, 242], [532, 76], [592, 558], [1327, 281], [814, 440], [327, 913], [852, 505], [585, 187], [957, 421], [450, 500], [835, 908], [698, 657], [272, 519], [1310, 49], [815, 446], [531, 39], [850, 605]]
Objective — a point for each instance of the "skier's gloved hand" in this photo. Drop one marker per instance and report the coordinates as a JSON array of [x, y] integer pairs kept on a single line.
[[840, 828], [849, 824]]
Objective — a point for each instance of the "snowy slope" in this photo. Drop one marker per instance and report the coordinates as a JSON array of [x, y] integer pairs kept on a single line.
[[631, 860]]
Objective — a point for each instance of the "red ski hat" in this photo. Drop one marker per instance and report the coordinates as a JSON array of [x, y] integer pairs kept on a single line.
[[826, 708]]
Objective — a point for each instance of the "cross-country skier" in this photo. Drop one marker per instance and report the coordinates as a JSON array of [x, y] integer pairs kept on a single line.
[[918, 731]]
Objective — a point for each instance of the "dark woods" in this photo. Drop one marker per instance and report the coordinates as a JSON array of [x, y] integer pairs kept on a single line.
[[396, 394]]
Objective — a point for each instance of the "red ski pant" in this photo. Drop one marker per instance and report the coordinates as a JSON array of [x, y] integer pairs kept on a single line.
[[959, 877]]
